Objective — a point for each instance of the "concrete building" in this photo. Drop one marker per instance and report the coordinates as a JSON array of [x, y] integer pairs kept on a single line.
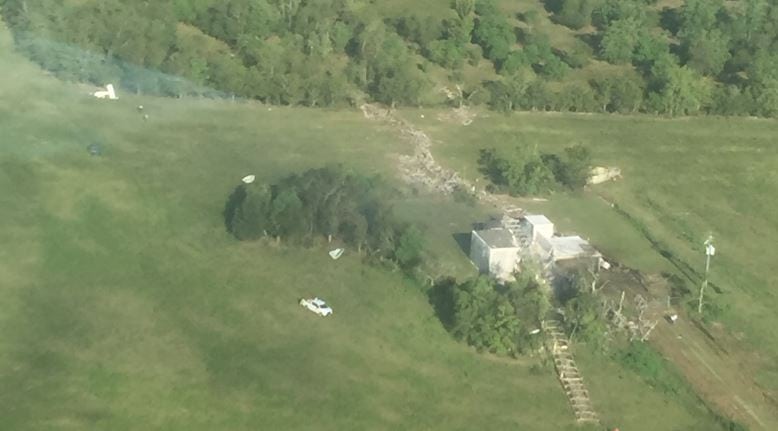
[[539, 225], [495, 252], [498, 251]]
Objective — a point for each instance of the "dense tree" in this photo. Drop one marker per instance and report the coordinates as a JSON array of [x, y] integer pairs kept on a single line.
[[621, 93], [496, 318], [608, 11], [575, 14], [682, 92], [620, 40], [333, 52], [328, 203], [524, 171], [493, 32]]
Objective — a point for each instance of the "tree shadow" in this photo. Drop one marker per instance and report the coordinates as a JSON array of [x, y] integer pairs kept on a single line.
[[441, 297], [670, 19], [591, 39], [553, 6], [231, 206]]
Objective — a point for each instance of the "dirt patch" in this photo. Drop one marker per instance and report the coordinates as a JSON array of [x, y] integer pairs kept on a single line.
[[419, 168], [462, 115]]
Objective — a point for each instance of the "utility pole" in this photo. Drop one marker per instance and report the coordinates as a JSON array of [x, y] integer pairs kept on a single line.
[[710, 250]]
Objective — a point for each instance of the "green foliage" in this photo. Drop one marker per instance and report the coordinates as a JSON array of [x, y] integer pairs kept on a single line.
[[251, 219], [521, 172], [408, 252], [496, 318], [335, 52], [327, 202], [620, 40], [653, 368], [621, 93], [574, 168], [575, 14], [613, 10], [525, 172], [493, 32], [682, 92]]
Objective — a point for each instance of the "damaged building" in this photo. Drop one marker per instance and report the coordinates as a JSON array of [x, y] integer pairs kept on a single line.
[[499, 249]]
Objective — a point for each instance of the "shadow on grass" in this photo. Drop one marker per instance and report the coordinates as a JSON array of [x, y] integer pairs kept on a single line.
[[463, 241], [231, 206], [441, 297]]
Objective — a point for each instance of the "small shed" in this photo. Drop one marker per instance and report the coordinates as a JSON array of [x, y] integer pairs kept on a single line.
[[494, 252], [540, 225]]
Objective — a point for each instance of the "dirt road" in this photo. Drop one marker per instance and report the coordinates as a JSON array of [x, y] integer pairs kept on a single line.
[[720, 371]]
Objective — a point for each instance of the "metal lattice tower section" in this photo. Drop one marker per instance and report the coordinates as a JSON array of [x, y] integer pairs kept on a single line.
[[569, 376]]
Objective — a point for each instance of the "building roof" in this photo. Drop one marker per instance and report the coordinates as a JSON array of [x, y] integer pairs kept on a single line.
[[537, 220], [497, 238], [568, 247]]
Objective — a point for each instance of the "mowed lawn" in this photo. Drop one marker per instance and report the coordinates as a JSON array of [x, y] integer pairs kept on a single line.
[[125, 305], [683, 180]]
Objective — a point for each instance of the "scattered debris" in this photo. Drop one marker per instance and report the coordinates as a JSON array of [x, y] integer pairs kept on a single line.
[[336, 254], [140, 108], [569, 375], [419, 168], [108, 93], [599, 175], [94, 150], [604, 264], [145, 117], [462, 115], [248, 179]]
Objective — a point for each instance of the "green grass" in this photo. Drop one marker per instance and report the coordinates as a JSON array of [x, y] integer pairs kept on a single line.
[[124, 304], [683, 179]]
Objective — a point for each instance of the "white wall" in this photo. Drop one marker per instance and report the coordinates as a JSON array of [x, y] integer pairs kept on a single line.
[[503, 262], [545, 230], [479, 253]]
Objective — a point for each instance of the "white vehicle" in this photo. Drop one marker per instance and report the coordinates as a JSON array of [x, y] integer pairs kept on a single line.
[[317, 305]]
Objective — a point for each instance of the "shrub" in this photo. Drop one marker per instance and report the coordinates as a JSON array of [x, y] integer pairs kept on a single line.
[[524, 171]]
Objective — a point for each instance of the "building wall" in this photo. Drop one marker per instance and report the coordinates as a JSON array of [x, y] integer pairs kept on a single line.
[[479, 253], [544, 230], [503, 262]]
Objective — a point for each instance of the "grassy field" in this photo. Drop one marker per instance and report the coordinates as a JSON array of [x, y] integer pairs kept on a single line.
[[125, 305], [683, 179]]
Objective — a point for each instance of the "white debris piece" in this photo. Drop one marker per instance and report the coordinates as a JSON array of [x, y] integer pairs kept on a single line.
[[108, 93], [604, 264], [248, 179], [601, 174], [336, 254]]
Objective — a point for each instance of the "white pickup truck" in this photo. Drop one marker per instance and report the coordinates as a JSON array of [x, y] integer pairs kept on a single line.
[[317, 305]]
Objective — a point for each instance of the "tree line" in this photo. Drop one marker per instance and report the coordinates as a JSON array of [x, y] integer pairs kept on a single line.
[[704, 56], [326, 203]]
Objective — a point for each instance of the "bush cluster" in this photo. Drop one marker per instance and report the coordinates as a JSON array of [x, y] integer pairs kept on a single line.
[[524, 171], [326, 203]]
